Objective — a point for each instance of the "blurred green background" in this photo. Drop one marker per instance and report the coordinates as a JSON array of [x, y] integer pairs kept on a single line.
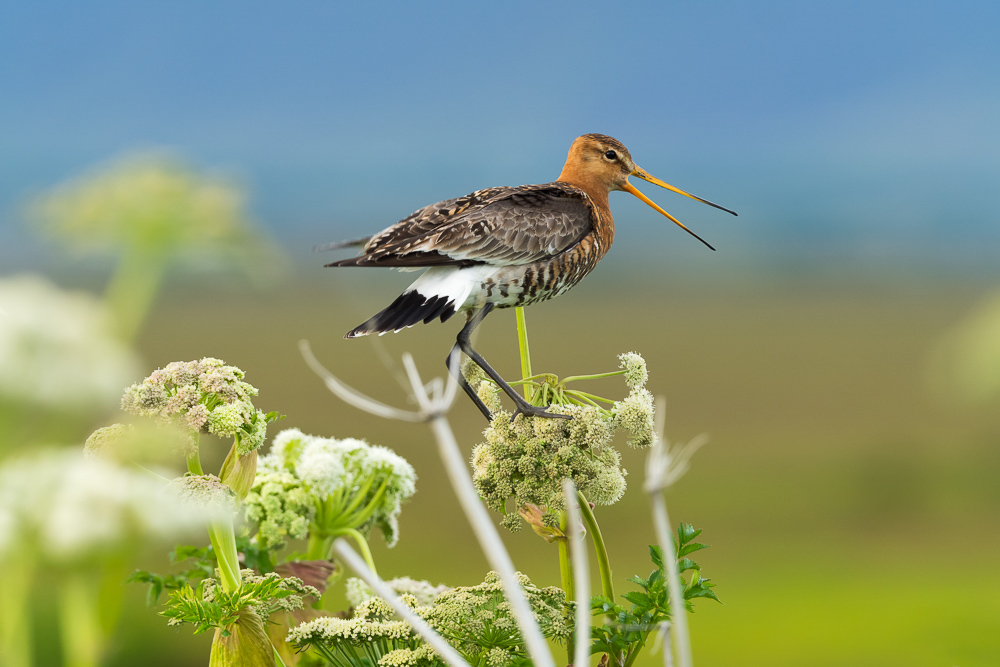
[[842, 349]]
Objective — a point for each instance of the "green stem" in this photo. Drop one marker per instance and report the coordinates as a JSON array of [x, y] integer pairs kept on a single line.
[[593, 397], [319, 547], [194, 463], [565, 568], [79, 623], [607, 588], [637, 649], [574, 378], [522, 344], [194, 458], [16, 575], [580, 398], [363, 545], [132, 288], [224, 542], [566, 576]]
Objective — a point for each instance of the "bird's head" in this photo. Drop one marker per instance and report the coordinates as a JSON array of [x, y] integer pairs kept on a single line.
[[599, 164]]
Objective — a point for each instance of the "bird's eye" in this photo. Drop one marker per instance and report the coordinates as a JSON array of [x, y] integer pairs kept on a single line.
[[611, 155]]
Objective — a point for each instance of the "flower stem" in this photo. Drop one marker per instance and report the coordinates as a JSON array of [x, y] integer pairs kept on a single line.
[[522, 344], [607, 588], [132, 288], [363, 544], [224, 542], [79, 622], [16, 576], [574, 378], [194, 463], [565, 569], [318, 548], [566, 574]]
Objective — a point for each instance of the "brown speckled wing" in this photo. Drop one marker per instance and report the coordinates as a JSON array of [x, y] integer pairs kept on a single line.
[[501, 226]]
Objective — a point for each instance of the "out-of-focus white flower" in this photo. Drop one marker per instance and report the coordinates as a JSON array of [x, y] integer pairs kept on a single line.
[[146, 200], [56, 348], [70, 507]]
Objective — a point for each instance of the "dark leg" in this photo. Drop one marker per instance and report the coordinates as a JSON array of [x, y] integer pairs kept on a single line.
[[465, 345]]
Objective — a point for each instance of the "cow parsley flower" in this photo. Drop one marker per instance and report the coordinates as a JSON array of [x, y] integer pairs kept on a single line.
[[527, 460], [332, 486], [206, 396], [71, 508], [634, 366], [57, 350], [423, 592], [478, 622], [634, 414]]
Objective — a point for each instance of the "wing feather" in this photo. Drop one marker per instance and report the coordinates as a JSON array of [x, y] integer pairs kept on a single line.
[[499, 226]]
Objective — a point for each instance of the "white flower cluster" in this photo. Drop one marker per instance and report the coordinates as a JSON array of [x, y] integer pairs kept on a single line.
[[422, 591], [56, 348], [207, 396], [330, 630], [303, 474], [71, 508]]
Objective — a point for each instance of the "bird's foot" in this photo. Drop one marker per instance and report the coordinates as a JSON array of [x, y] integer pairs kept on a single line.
[[536, 411]]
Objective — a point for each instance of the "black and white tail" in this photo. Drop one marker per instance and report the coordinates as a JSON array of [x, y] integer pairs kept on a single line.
[[438, 293]]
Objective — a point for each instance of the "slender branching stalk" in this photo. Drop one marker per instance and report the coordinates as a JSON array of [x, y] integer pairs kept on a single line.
[[581, 576], [522, 345], [603, 565], [664, 467]]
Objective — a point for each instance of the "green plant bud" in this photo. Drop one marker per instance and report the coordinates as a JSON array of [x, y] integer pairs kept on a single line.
[[239, 471], [246, 646]]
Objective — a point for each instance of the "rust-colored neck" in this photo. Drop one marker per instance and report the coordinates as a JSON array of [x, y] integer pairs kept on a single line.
[[591, 183]]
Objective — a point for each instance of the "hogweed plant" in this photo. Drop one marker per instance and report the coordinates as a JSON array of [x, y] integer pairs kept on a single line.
[[277, 526], [519, 471]]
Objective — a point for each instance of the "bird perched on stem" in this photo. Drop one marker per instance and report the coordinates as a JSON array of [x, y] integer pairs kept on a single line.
[[505, 247]]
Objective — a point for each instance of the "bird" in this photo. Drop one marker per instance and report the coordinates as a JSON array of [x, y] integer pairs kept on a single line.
[[504, 247]]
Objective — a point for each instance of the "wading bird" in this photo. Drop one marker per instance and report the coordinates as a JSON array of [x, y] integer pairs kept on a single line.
[[504, 247]]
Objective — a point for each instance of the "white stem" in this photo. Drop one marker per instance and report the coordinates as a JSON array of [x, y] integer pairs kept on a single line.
[[352, 396], [678, 611], [581, 576], [490, 542], [356, 563]]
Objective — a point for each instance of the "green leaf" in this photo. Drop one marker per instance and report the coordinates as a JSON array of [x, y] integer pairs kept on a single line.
[[638, 599], [685, 564], [656, 555], [691, 547]]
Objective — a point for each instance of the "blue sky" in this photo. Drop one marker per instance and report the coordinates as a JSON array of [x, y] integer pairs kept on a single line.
[[863, 129]]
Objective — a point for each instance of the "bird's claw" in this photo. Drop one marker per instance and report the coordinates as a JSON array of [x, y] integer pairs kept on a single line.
[[529, 410]]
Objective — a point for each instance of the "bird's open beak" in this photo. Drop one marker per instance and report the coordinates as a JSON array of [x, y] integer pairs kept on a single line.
[[639, 173]]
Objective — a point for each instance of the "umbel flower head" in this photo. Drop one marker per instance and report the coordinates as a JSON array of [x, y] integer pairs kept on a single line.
[[327, 486], [360, 641], [478, 622], [526, 460], [71, 508], [422, 591], [206, 396]]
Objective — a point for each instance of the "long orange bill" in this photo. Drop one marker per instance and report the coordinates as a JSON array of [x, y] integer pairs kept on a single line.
[[628, 187], [639, 173]]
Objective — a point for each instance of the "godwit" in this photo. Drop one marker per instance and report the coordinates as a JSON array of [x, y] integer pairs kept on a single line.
[[504, 247]]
